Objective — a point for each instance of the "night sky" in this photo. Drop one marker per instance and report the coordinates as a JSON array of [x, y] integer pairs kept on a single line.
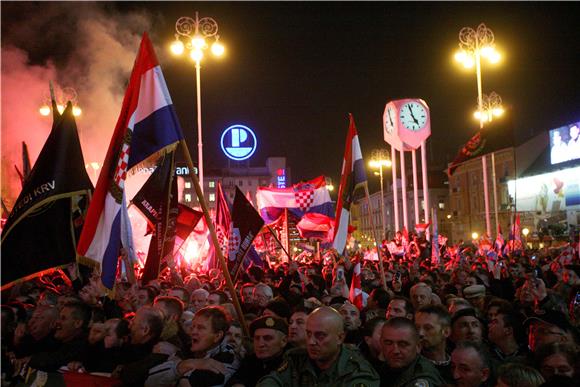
[[294, 71]]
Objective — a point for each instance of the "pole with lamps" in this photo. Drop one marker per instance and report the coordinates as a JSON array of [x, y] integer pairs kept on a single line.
[[195, 32], [62, 97], [473, 45], [380, 158]]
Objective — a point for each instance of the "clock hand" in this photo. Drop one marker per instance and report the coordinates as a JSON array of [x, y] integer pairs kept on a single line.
[[412, 115]]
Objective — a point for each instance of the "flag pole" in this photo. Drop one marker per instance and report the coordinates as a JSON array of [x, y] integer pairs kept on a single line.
[[279, 243], [214, 239], [379, 255]]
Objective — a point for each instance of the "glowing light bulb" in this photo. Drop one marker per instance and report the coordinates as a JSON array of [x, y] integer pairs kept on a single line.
[[177, 47], [77, 111], [217, 49], [460, 56], [474, 235], [196, 55], [60, 108], [198, 42], [44, 110], [468, 62]]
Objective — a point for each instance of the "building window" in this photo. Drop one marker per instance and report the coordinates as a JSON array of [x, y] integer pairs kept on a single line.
[[211, 184], [188, 198], [212, 197], [188, 184], [240, 183]]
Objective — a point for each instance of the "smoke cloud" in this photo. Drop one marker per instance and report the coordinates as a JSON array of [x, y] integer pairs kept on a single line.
[[86, 46]]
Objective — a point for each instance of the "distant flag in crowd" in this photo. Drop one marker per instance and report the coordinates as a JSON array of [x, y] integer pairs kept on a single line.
[[246, 225], [352, 185], [157, 200], [41, 232], [187, 219], [316, 226], [499, 241], [515, 237], [300, 199], [435, 253], [147, 125], [355, 294], [223, 220], [422, 227]]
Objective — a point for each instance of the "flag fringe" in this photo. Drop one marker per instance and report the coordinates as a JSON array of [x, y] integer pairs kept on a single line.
[[35, 275], [151, 161]]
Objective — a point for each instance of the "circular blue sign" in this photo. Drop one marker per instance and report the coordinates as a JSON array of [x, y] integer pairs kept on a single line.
[[238, 142]]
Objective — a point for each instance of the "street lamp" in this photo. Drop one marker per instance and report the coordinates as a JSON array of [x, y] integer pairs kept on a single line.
[[473, 45], [195, 32], [64, 95], [380, 158], [474, 235]]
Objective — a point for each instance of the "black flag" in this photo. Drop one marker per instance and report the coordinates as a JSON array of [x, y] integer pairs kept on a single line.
[[42, 230], [246, 224], [157, 200]]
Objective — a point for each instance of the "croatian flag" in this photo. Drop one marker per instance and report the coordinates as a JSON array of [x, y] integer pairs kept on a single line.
[[303, 198], [147, 125], [352, 184], [355, 295]]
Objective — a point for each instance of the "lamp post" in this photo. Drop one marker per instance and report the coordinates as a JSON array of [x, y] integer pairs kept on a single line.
[[380, 158], [64, 95], [194, 32], [473, 45]]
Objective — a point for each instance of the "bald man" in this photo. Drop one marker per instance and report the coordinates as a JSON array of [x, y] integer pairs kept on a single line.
[[325, 361]]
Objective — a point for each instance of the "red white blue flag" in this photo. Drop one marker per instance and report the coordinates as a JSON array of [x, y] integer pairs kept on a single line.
[[352, 183], [147, 125], [355, 295]]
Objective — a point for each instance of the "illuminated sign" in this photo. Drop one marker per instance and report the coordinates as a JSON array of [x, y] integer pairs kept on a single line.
[[565, 143], [548, 192], [281, 178], [238, 142], [179, 171]]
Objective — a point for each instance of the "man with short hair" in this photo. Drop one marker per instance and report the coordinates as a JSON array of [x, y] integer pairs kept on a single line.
[[182, 293], [297, 328], [501, 335], [198, 299], [214, 360], [217, 297], [466, 325], [405, 366], [421, 295], [470, 365], [370, 347], [262, 295], [325, 361], [173, 332], [400, 307], [433, 324], [550, 327], [270, 336], [475, 294], [352, 323]]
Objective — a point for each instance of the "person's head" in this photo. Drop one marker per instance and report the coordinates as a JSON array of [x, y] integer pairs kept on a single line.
[[433, 324], [235, 336], [371, 332], [171, 307], [43, 321], [217, 297], [456, 304], [96, 332], [420, 295], [147, 325], [351, 316], [400, 307], [116, 332], [185, 320], [270, 335], [518, 375], [556, 137], [72, 322], [378, 299], [470, 364], [399, 342], [180, 292], [475, 294], [199, 299], [549, 327], [145, 296], [262, 295], [557, 359], [574, 132], [503, 325], [297, 328], [278, 307], [494, 307], [466, 326], [208, 328], [325, 335], [247, 293]]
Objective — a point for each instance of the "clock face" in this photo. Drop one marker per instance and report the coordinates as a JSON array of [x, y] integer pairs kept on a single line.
[[413, 116], [390, 120]]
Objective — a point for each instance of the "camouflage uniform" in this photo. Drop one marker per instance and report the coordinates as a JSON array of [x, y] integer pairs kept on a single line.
[[350, 370]]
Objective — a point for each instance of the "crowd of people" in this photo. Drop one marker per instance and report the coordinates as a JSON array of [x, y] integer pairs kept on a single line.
[[466, 321]]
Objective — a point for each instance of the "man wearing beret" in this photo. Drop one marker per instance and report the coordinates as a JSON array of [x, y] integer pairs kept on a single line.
[[270, 339], [475, 294], [325, 361]]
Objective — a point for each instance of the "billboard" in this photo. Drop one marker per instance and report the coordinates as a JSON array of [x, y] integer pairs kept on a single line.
[[565, 143], [548, 192]]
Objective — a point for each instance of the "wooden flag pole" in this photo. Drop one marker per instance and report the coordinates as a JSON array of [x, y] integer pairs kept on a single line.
[[379, 255], [218, 250]]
